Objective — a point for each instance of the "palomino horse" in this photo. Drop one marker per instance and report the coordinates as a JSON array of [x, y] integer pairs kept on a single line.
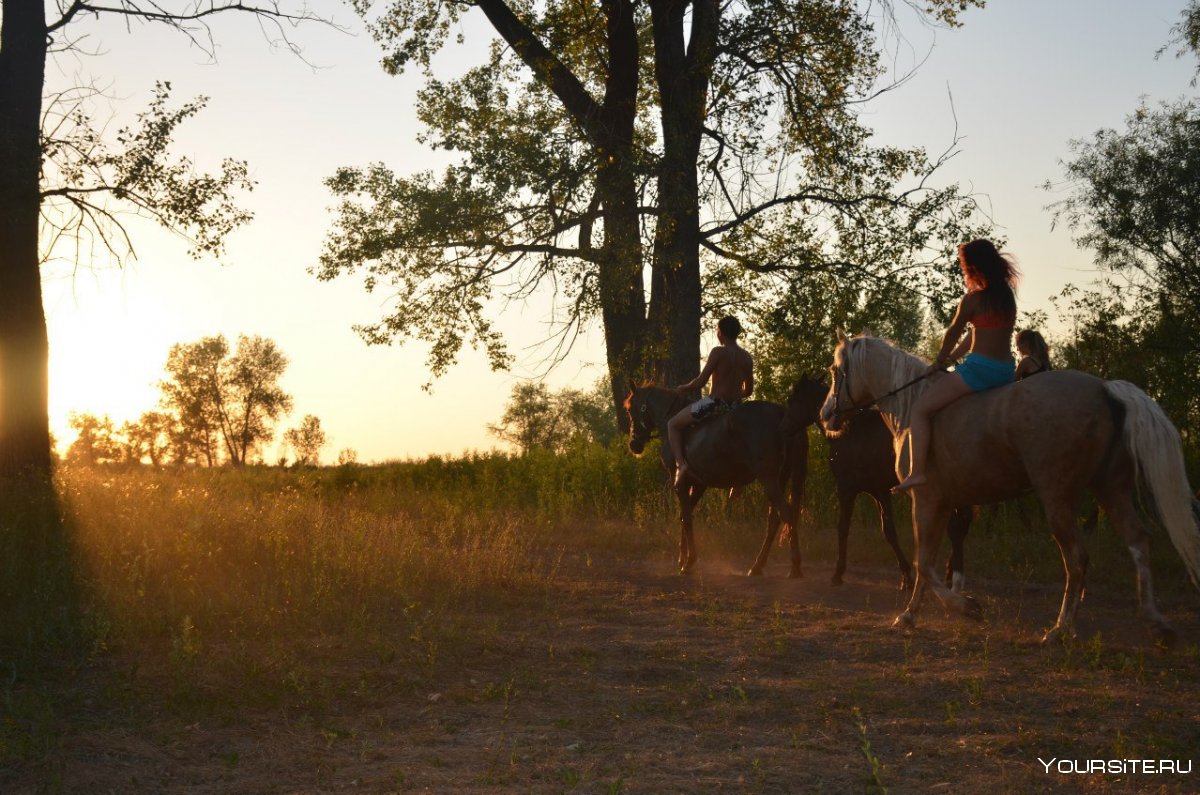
[[862, 461], [1061, 433], [735, 449]]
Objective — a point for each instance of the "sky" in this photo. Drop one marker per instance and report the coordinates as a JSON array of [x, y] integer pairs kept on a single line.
[[1016, 83]]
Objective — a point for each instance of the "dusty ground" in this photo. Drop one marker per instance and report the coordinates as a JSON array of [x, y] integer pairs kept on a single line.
[[636, 680]]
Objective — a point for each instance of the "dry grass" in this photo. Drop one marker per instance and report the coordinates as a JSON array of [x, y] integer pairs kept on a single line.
[[472, 627]]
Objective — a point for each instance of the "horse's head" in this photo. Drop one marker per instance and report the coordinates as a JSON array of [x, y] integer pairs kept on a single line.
[[847, 393], [803, 405], [642, 420]]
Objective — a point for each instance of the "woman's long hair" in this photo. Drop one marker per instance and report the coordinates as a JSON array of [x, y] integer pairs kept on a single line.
[[1036, 344], [994, 274]]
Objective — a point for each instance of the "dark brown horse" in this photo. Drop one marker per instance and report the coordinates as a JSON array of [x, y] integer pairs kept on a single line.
[[862, 461], [1061, 434], [734, 449]]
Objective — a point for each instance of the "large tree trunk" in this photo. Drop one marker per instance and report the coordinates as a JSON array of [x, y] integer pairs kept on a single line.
[[683, 67], [24, 348], [609, 126], [622, 294]]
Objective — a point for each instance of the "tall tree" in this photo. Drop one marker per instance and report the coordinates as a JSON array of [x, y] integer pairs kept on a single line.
[[149, 437], [191, 392], [139, 173], [225, 402], [563, 156], [747, 154], [97, 442], [1133, 197], [537, 419], [307, 440]]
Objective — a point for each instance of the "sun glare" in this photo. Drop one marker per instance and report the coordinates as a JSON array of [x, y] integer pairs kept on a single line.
[[103, 360]]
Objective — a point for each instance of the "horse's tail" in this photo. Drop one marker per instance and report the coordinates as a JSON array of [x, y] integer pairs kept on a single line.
[[1158, 457]]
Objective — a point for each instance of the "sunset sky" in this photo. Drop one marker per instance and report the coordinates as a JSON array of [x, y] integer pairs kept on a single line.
[[1026, 76]]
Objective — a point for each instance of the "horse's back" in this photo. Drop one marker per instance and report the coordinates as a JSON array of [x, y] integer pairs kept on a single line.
[[1053, 427], [736, 447]]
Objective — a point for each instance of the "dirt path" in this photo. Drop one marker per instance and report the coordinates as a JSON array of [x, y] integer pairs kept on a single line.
[[636, 680]]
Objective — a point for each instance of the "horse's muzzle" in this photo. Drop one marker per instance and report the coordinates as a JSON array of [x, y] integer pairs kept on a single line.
[[637, 446], [831, 423]]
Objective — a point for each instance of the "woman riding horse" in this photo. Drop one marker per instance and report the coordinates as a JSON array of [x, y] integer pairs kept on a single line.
[[991, 309]]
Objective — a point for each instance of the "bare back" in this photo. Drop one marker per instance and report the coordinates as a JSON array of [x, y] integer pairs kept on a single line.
[[732, 372], [993, 342]]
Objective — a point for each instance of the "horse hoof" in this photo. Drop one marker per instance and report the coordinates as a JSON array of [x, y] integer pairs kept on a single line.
[[904, 621], [972, 608], [795, 574], [1054, 635], [756, 572]]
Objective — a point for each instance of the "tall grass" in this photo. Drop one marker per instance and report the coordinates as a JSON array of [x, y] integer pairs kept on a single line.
[[185, 561]]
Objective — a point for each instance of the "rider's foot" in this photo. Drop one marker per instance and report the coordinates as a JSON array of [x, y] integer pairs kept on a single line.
[[912, 481]]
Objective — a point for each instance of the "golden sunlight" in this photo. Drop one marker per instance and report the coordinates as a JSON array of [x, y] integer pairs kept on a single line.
[[103, 360]]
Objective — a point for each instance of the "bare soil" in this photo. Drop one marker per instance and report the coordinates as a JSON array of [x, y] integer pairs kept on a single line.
[[627, 678]]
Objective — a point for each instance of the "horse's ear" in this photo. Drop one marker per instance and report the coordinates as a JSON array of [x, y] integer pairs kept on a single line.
[[866, 332], [841, 335]]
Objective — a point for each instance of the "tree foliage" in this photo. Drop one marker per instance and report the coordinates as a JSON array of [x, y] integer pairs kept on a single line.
[[226, 403], [1132, 197], [536, 418], [306, 440], [65, 186], [1135, 200], [90, 182], [97, 442], [745, 153]]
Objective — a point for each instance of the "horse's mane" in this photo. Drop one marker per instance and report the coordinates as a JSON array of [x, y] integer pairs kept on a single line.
[[901, 368]]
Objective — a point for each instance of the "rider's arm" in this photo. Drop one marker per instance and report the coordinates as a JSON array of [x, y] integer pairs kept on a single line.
[[705, 374], [748, 385], [963, 347], [953, 343]]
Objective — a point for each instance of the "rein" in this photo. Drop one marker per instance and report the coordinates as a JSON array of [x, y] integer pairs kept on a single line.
[[653, 429], [858, 408]]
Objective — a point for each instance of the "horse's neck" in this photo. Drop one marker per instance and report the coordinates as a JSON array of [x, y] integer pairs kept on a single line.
[[670, 403], [897, 370]]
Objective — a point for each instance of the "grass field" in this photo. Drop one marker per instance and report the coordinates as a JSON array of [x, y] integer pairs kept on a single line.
[[516, 625]]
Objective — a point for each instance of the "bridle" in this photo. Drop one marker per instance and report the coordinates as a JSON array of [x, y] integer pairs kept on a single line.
[[644, 422], [842, 373]]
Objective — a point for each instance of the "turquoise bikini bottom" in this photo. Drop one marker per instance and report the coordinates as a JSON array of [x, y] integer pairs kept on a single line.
[[983, 372]]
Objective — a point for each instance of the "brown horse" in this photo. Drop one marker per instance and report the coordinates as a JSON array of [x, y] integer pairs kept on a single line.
[[1061, 434], [862, 461], [734, 449]]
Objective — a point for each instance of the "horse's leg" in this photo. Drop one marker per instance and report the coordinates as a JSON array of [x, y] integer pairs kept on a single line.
[[1123, 516], [929, 525], [887, 524], [1060, 514], [688, 497], [845, 512], [960, 523], [778, 515]]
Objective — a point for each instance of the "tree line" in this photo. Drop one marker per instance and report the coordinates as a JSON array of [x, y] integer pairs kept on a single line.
[[217, 406], [645, 163]]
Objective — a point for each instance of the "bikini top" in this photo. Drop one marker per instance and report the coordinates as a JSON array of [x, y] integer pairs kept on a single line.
[[994, 320]]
